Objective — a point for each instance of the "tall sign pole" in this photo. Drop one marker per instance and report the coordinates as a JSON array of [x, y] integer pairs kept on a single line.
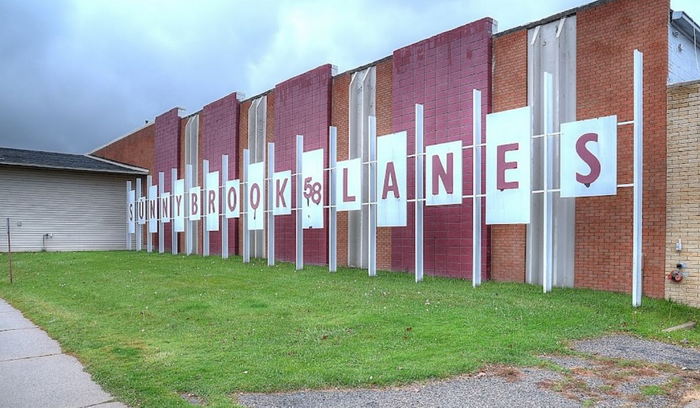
[[205, 208], [299, 195], [128, 233], [189, 225], [139, 226], [372, 235], [332, 210], [224, 220], [419, 194], [547, 100], [173, 180], [9, 249], [161, 225], [476, 188], [244, 206], [638, 186], [270, 204]]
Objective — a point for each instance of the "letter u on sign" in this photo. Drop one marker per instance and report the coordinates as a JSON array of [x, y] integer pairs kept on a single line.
[[588, 151], [508, 167]]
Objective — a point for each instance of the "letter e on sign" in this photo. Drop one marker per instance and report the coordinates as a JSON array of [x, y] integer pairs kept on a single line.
[[588, 151], [508, 185]]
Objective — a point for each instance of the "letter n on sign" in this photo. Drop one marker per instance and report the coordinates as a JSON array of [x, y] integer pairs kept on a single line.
[[588, 151], [508, 185], [444, 173]]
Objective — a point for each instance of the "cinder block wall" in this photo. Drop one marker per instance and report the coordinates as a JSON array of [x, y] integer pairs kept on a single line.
[[683, 191], [440, 73]]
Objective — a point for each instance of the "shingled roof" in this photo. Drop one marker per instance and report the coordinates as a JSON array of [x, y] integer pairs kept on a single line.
[[64, 161]]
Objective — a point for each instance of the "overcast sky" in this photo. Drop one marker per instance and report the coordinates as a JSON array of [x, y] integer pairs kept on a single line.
[[77, 74]]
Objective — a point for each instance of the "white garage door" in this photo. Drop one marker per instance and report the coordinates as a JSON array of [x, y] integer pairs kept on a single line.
[[80, 210]]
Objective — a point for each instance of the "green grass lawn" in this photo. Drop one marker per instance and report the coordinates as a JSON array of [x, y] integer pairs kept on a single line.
[[150, 326]]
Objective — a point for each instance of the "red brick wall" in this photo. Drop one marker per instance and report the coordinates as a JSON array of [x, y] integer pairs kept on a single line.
[[606, 36], [441, 73], [340, 119], [242, 144], [167, 156], [509, 92], [384, 108], [135, 149], [302, 107], [219, 135]]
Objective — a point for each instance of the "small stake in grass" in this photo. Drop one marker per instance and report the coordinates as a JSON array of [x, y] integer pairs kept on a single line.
[[9, 250]]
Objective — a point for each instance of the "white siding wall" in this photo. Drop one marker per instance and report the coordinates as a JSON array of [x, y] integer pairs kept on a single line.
[[83, 210]]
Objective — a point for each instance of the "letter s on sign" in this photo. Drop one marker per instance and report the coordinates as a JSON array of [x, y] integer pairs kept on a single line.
[[588, 157]]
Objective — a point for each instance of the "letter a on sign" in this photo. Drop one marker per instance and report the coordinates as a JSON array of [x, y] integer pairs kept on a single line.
[[391, 180], [282, 199], [348, 185], [588, 151], [444, 173], [255, 211], [312, 197], [508, 167]]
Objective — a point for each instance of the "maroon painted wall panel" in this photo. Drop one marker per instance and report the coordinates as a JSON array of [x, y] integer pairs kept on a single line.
[[166, 157]]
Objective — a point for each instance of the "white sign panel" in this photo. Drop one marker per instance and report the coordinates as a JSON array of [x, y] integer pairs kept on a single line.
[[588, 151], [255, 211], [508, 167], [282, 200], [179, 205], [152, 208], [232, 200], [212, 201], [444, 173], [131, 200], [348, 185], [165, 207], [195, 210], [141, 210], [391, 180], [312, 196]]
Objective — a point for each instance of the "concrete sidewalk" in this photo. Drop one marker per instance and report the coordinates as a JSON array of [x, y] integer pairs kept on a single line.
[[35, 373]]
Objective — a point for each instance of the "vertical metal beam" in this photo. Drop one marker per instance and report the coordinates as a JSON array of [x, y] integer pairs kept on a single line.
[[244, 206], [128, 235], [372, 235], [332, 212], [139, 227], [419, 194], [189, 225], [638, 172], [547, 100], [173, 233], [222, 195], [161, 226], [476, 188], [270, 204], [299, 195], [149, 236], [204, 195]]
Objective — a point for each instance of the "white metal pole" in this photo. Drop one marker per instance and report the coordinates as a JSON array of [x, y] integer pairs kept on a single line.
[[547, 100], [476, 187], [161, 226], [244, 206], [332, 212], [203, 200], [139, 227], [222, 195], [270, 204], [372, 235], [299, 195], [189, 225], [419, 194], [638, 179], [173, 233], [149, 235], [128, 234]]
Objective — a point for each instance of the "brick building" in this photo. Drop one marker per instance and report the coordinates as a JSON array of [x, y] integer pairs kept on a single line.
[[589, 52]]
